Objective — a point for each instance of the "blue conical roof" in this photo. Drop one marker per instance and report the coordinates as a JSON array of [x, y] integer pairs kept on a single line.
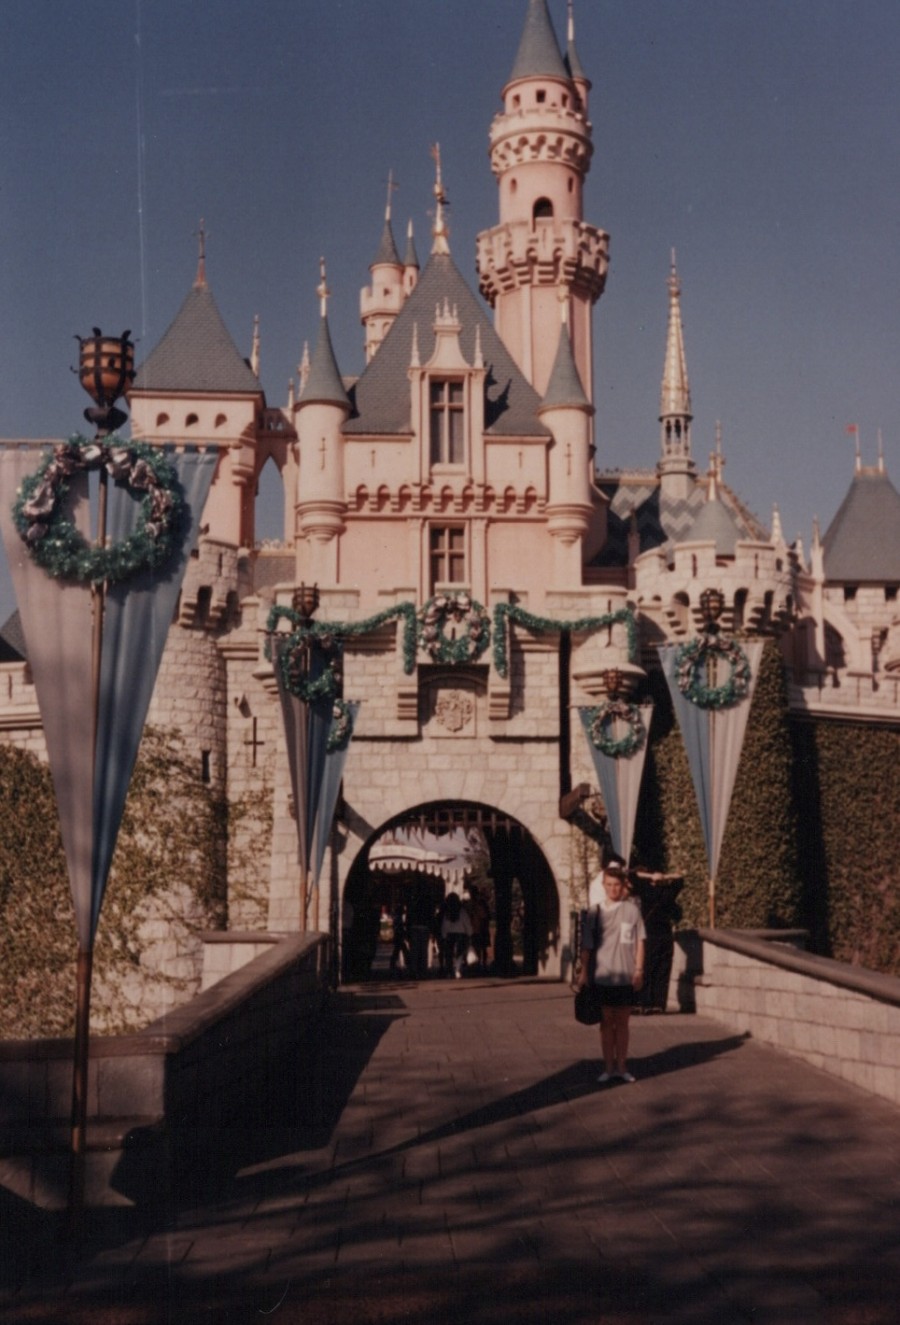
[[387, 249], [715, 523], [565, 387], [324, 384], [197, 352], [538, 55]]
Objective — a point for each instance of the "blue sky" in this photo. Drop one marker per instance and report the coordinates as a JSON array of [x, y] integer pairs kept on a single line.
[[757, 137]]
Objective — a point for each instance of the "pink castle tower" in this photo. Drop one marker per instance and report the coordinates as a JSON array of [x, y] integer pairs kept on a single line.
[[541, 151]]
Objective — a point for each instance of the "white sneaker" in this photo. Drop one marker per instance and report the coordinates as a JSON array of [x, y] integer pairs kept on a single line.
[[603, 1078], [627, 1078]]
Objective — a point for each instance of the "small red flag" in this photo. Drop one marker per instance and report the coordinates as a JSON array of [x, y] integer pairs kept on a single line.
[[852, 428]]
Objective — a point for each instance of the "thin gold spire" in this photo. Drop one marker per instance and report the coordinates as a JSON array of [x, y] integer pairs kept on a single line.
[[200, 278], [440, 232], [322, 290]]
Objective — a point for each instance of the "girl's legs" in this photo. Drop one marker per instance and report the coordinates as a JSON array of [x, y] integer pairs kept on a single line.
[[614, 1038]]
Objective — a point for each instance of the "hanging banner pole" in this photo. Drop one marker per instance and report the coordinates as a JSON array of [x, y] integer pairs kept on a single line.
[[84, 972]]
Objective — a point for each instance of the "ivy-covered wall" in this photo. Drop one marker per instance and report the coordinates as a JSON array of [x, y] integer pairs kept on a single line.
[[167, 882], [759, 882], [848, 789]]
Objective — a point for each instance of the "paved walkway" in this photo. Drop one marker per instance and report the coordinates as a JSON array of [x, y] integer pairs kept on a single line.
[[468, 1168]]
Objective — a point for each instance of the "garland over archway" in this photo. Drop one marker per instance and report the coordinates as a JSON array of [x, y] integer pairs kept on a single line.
[[505, 612]]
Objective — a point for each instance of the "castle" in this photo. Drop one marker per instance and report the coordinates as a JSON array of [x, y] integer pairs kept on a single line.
[[458, 472]]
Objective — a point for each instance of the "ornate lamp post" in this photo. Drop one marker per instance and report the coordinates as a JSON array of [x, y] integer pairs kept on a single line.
[[106, 370], [712, 605]]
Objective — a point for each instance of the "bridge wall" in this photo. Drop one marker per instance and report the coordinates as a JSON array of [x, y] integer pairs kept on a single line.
[[837, 1017], [158, 1097]]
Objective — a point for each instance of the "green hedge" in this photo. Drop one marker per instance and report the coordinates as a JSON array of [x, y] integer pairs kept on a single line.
[[848, 787]]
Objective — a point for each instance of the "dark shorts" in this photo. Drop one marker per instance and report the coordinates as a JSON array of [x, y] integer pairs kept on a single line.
[[616, 996]]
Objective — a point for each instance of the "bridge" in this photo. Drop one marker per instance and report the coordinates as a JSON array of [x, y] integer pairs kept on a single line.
[[453, 1158]]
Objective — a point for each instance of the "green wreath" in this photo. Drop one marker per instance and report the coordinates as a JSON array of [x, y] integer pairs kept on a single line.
[[462, 608], [599, 720], [341, 728], [690, 670], [293, 659], [52, 539]]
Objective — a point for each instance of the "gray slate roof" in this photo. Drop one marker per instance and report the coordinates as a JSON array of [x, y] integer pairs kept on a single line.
[[573, 64], [564, 387], [659, 522], [715, 523], [862, 544], [197, 353], [324, 382], [12, 640], [410, 257], [538, 55], [381, 396], [387, 249]]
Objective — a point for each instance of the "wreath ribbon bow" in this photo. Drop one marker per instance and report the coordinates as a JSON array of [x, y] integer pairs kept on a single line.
[[61, 550]]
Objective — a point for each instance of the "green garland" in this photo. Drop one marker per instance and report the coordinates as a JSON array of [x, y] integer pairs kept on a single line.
[[505, 612], [459, 607], [599, 719], [690, 669], [341, 630], [52, 539]]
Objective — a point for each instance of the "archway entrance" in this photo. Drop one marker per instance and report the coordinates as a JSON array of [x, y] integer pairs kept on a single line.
[[513, 877]]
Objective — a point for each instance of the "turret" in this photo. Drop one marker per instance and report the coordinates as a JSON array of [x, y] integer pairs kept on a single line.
[[410, 262], [541, 151], [321, 411], [676, 468], [380, 302], [195, 386], [567, 412]]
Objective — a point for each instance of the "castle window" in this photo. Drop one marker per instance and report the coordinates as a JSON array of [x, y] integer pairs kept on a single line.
[[161, 419], [542, 208], [191, 420], [446, 555], [541, 97], [447, 422], [849, 593], [890, 593]]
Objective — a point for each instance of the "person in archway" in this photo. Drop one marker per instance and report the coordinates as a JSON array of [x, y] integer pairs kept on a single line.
[[480, 918], [456, 931], [399, 927], [613, 944]]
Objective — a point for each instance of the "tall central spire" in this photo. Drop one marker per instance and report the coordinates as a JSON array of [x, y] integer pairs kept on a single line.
[[676, 467], [439, 231], [675, 397]]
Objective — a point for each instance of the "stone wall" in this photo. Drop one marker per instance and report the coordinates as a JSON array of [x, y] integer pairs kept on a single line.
[[155, 1099], [837, 1017]]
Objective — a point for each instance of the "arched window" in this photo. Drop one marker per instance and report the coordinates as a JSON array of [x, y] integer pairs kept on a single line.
[[191, 420], [161, 419], [542, 208]]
